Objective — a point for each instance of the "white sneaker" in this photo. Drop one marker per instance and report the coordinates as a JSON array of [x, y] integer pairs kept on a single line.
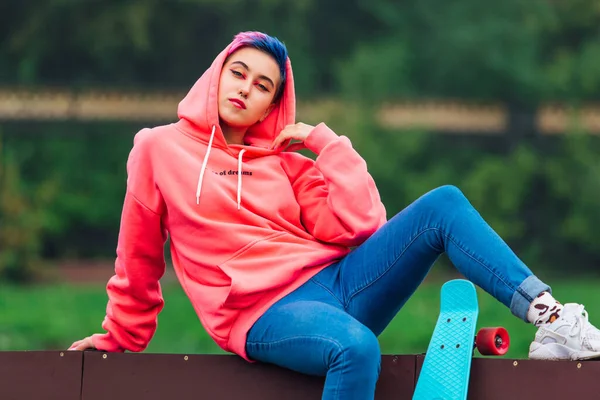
[[570, 337]]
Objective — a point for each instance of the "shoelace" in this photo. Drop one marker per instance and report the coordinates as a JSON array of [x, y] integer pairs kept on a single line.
[[581, 325]]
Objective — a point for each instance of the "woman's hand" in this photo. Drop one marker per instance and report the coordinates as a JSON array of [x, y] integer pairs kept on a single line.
[[83, 344], [297, 131]]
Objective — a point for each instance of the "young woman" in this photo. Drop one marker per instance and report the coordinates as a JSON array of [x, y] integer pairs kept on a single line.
[[287, 260]]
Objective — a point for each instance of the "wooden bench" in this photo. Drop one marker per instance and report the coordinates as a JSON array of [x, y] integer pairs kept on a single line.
[[64, 375]]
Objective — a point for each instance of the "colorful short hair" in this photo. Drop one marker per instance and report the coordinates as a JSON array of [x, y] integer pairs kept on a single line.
[[269, 44]]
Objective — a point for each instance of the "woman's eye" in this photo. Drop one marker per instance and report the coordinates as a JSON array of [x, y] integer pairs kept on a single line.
[[237, 73], [263, 87]]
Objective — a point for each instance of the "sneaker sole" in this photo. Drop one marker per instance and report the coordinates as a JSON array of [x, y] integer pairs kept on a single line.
[[558, 352]]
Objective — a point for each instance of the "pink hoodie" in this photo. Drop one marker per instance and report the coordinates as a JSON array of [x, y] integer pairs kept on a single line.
[[247, 225]]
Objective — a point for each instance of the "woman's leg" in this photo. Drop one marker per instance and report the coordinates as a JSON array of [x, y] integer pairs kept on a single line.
[[309, 332], [375, 280]]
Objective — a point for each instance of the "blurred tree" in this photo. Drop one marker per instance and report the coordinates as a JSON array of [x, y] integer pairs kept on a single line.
[[23, 219], [513, 51], [146, 43], [516, 51]]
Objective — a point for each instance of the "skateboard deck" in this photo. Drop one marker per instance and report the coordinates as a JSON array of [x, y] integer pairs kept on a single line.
[[447, 365]]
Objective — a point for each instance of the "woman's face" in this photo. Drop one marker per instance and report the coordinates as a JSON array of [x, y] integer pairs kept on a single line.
[[248, 83]]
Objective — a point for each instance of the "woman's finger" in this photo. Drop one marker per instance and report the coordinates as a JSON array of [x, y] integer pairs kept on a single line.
[[82, 344], [279, 139], [74, 345], [86, 344]]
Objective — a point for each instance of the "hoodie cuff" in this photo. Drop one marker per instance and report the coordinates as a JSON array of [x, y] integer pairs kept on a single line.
[[105, 342], [320, 137]]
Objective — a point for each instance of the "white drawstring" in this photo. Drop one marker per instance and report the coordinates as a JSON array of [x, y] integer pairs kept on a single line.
[[239, 191], [203, 169]]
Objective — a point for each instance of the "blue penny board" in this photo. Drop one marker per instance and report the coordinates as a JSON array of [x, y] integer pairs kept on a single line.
[[446, 369]]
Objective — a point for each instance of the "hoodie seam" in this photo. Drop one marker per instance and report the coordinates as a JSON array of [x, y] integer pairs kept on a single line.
[[142, 204], [226, 149], [201, 140], [196, 138]]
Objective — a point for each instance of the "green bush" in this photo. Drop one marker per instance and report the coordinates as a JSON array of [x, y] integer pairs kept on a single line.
[[23, 220]]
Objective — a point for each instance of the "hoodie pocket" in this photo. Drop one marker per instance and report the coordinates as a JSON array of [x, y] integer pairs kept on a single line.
[[255, 269]]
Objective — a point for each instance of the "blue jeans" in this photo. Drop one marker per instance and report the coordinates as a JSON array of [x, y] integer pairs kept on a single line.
[[329, 326]]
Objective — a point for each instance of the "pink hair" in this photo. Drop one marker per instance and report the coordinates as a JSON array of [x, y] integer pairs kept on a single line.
[[246, 39]]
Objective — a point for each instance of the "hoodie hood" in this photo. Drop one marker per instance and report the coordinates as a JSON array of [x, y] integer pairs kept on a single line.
[[199, 112], [199, 115]]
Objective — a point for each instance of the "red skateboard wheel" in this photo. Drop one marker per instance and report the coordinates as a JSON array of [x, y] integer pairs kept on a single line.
[[492, 341]]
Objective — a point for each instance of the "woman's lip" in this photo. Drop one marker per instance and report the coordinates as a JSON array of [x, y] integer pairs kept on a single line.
[[238, 103]]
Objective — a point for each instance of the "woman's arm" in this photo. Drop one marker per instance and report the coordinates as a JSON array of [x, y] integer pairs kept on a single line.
[[134, 292], [338, 197]]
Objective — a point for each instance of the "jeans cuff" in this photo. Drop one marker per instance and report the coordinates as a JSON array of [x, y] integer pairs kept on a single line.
[[528, 290]]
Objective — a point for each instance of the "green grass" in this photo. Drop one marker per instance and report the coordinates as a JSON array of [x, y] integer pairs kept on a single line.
[[52, 317]]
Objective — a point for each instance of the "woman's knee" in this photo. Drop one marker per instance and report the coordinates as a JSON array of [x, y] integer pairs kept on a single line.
[[445, 196], [360, 347]]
